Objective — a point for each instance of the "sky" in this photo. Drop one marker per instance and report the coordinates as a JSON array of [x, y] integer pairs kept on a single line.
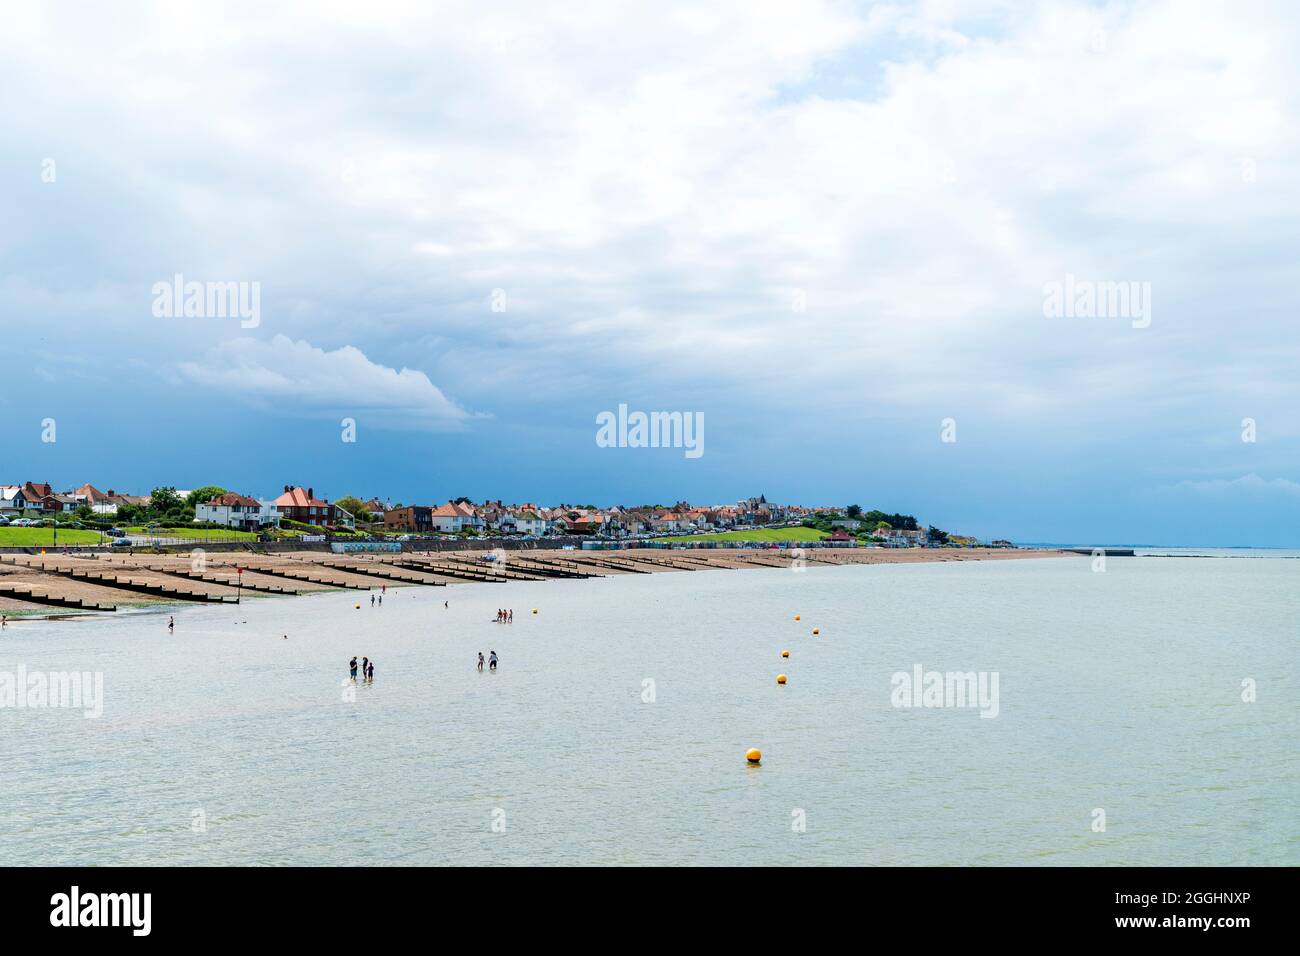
[[830, 231]]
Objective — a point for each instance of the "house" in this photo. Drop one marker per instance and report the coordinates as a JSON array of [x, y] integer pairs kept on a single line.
[[376, 508], [894, 538], [40, 497], [668, 521], [455, 516], [12, 499], [302, 505], [417, 519], [529, 521], [238, 511], [106, 503], [591, 523], [839, 534]]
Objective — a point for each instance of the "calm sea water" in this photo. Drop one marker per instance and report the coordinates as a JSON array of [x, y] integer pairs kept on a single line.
[[1118, 690]]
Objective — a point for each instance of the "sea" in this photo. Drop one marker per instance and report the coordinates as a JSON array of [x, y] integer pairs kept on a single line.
[[1038, 711]]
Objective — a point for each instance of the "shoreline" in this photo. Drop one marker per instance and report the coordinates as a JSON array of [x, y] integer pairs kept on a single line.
[[86, 586]]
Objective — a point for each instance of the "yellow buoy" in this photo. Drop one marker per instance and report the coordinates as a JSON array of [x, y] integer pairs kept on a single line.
[[534, 610], [796, 617], [753, 755], [817, 630], [780, 678], [358, 607], [785, 653]]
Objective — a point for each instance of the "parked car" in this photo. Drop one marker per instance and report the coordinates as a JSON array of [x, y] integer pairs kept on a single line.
[[115, 533], [121, 543], [3, 521]]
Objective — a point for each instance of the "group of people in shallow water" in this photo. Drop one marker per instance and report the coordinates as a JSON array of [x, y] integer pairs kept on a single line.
[[492, 661], [505, 617], [367, 668]]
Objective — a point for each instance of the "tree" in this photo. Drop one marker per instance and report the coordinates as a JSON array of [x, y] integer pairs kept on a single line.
[[131, 514], [354, 506], [853, 511], [200, 495], [937, 536], [164, 500]]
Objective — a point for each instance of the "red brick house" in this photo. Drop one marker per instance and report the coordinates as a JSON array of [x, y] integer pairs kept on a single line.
[[414, 518], [302, 505]]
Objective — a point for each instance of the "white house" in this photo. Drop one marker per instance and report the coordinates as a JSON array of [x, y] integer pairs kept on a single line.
[[905, 539], [238, 511], [455, 516], [12, 499], [530, 522]]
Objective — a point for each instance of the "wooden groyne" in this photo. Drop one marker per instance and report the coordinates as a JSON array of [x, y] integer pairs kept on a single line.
[[104, 582], [26, 593]]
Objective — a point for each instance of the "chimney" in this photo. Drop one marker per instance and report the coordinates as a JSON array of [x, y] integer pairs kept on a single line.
[[287, 489], [311, 493]]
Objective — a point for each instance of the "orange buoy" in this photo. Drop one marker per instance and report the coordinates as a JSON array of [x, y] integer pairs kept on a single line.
[[753, 755], [780, 678], [785, 653]]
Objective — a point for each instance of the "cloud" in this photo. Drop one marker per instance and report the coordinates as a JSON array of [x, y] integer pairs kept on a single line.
[[298, 377], [654, 188]]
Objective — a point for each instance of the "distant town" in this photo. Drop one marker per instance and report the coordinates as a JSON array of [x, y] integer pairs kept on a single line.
[[84, 514]]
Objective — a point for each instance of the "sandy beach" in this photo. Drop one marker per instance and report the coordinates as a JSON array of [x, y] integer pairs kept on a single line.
[[36, 584]]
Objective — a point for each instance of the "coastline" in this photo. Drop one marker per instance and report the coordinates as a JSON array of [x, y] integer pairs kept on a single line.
[[81, 586]]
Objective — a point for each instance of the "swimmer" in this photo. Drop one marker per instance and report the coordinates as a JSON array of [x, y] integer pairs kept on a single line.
[[480, 662], [492, 660], [353, 664], [171, 624]]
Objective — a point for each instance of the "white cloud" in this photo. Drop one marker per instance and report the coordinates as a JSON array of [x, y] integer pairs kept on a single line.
[[648, 187], [298, 377]]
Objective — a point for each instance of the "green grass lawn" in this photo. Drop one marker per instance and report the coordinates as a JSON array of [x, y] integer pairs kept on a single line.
[[193, 534], [757, 534], [44, 537]]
